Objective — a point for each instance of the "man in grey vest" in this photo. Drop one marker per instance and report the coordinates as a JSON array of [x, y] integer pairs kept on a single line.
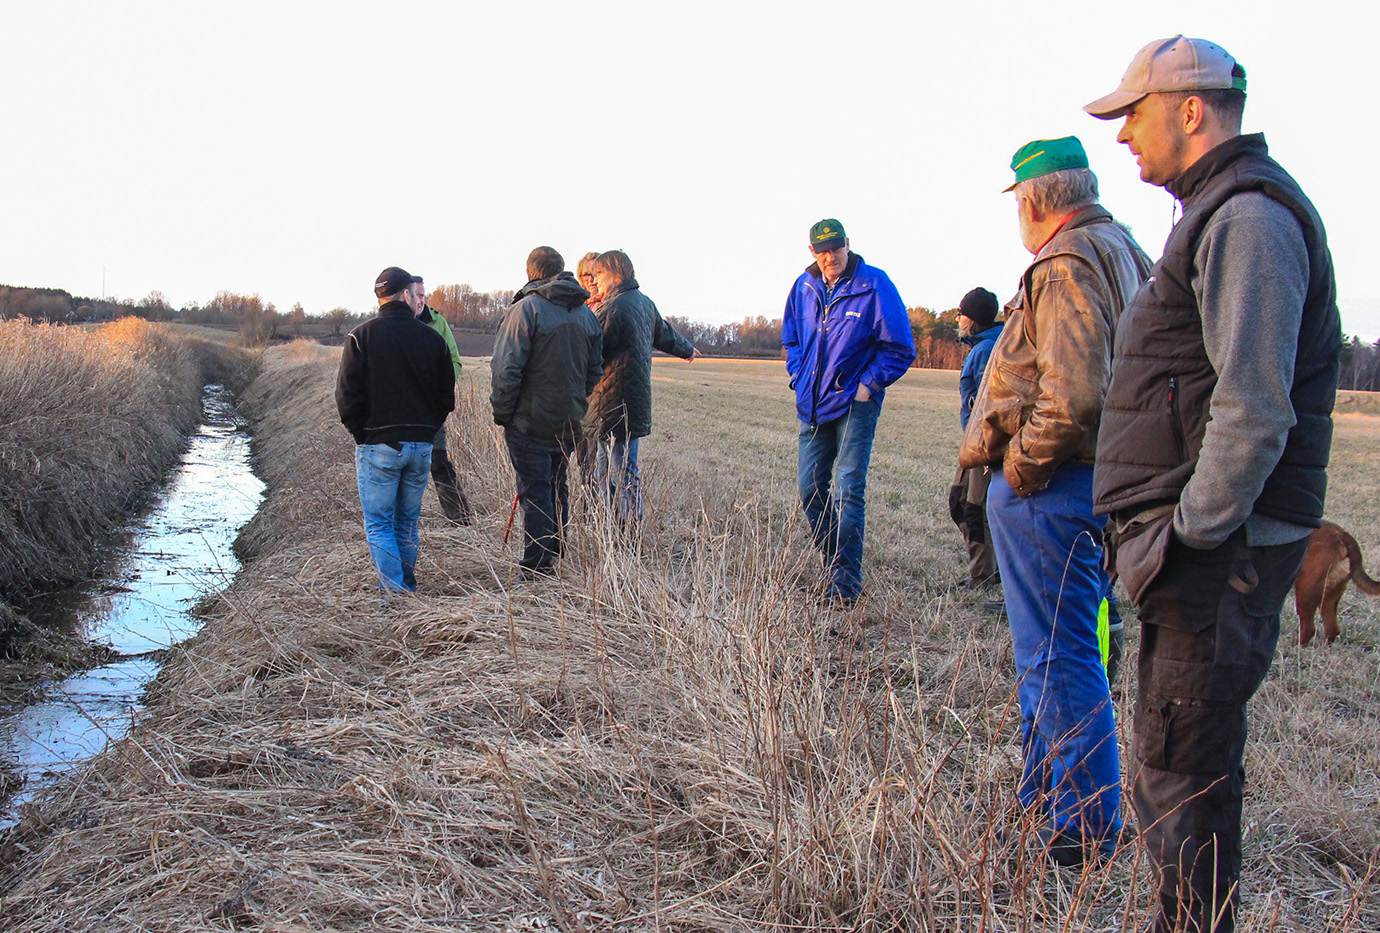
[[1213, 453]]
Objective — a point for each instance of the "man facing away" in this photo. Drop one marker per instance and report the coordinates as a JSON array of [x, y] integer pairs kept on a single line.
[[394, 389], [1213, 453], [977, 327], [547, 359], [454, 505], [847, 337], [1035, 425]]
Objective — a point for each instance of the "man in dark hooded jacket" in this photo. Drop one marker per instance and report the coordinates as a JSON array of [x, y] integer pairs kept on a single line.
[[547, 358]]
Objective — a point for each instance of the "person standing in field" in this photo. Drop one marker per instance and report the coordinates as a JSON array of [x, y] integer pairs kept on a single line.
[[620, 408], [584, 272], [1212, 461], [394, 389], [978, 328], [586, 452], [1035, 426], [547, 359], [454, 505], [847, 337]]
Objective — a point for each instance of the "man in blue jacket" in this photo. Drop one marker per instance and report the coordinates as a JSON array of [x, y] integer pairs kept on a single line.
[[977, 327], [847, 338]]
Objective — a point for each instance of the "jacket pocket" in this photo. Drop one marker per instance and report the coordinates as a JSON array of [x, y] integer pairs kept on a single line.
[[1140, 554]]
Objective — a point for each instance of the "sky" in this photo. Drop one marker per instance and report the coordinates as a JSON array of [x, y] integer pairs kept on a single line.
[[294, 149]]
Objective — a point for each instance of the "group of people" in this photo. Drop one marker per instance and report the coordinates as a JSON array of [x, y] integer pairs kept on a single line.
[[1169, 423]]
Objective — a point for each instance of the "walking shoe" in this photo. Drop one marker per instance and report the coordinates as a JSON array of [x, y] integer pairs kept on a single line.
[[997, 606]]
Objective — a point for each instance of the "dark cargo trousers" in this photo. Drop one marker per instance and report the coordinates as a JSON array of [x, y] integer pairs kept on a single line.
[[1209, 626]]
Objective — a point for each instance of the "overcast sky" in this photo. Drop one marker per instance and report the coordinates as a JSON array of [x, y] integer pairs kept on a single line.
[[295, 149]]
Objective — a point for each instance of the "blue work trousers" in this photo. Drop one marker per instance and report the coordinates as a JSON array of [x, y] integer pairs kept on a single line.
[[1049, 549], [833, 488]]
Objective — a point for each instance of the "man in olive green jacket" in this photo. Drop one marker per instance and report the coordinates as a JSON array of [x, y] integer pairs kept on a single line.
[[453, 502]]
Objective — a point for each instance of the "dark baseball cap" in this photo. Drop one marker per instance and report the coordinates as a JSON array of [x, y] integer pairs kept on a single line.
[[826, 235], [391, 281]]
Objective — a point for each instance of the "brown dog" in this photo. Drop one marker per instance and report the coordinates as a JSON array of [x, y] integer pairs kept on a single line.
[[1333, 560]]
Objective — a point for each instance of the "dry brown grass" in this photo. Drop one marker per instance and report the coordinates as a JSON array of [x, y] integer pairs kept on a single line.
[[89, 418], [669, 738]]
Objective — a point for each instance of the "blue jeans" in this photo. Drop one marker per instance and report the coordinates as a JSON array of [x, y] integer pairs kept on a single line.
[[1049, 549], [544, 495], [836, 454], [391, 483], [615, 470]]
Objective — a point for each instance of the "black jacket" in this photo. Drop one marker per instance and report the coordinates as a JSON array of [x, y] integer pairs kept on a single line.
[[547, 359], [396, 382], [621, 404]]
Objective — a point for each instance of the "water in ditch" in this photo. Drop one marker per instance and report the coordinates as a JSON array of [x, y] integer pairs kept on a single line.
[[180, 550]]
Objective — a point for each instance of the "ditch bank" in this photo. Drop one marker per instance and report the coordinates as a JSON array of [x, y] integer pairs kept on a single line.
[[142, 604], [90, 419]]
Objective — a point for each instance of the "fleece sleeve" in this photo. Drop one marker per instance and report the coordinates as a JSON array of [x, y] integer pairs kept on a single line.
[[1250, 275]]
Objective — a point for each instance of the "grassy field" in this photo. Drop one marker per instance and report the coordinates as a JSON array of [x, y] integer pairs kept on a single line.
[[669, 737]]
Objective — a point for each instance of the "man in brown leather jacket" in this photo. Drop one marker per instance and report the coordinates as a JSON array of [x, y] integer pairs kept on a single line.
[[1034, 424]]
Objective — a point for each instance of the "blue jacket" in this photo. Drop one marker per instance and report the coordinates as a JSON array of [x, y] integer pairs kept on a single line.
[[973, 368], [862, 337]]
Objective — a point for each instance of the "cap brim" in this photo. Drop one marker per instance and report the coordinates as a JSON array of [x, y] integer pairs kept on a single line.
[[827, 245], [1011, 187], [1114, 105]]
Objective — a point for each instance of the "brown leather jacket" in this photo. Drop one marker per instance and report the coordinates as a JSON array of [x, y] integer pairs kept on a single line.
[[1041, 399]]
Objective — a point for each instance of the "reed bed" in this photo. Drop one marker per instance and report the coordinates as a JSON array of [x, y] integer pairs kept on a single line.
[[672, 736], [89, 418]]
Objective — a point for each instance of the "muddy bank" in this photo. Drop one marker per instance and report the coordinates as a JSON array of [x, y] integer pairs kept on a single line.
[[90, 418]]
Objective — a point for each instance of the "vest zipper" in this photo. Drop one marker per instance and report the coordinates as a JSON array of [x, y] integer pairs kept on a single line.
[[1176, 424]]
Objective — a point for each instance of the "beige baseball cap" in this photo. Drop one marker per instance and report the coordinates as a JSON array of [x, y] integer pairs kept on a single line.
[[1177, 64]]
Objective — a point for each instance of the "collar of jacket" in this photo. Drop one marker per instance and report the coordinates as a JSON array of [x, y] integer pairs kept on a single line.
[[1213, 161], [854, 260], [426, 315], [395, 309], [627, 285], [988, 333], [1092, 214]]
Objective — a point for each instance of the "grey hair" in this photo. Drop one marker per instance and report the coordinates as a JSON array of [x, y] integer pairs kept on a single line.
[[544, 262], [1068, 189]]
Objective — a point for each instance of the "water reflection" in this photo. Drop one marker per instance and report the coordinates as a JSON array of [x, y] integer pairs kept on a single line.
[[181, 549]]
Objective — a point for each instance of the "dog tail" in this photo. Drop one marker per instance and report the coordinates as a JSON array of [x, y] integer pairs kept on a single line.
[[1358, 569]]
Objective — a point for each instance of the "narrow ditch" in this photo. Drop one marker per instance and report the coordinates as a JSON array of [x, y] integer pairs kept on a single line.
[[180, 549]]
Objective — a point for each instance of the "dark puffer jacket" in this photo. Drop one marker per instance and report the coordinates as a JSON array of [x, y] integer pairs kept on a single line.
[[395, 381], [621, 404], [546, 360]]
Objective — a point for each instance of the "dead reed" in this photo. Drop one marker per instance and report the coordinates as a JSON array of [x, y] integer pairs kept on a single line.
[[670, 737], [89, 417]]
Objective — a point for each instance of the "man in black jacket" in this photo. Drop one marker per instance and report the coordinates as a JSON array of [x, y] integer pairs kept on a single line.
[[1212, 459], [547, 358], [394, 389]]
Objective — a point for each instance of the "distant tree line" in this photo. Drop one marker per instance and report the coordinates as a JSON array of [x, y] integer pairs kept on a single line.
[[935, 332], [1360, 366]]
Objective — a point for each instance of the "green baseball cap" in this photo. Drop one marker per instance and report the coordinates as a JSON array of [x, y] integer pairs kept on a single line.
[[826, 235], [1043, 156]]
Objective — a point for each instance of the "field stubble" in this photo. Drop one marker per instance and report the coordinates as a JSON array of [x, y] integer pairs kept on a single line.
[[669, 738]]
